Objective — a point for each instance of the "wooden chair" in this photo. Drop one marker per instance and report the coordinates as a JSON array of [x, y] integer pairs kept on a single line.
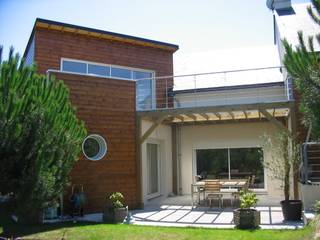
[[212, 188]]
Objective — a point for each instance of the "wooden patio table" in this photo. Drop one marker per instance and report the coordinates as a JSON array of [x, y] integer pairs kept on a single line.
[[229, 186]]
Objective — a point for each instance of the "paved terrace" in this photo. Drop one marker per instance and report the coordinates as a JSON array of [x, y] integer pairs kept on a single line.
[[186, 216]]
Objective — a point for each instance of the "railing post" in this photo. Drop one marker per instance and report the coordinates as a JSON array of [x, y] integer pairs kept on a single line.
[[167, 93], [195, 90]]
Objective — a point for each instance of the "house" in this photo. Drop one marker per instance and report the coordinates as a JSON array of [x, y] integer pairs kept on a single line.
[[151, 133]]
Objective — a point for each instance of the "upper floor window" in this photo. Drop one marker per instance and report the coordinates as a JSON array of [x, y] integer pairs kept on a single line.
[[71, 66], [104, 70], [145, 86]]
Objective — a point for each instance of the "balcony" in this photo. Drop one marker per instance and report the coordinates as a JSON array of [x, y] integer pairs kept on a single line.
[[238, 95]]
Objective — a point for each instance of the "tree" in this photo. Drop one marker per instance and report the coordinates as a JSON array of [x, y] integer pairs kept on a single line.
[[303, 64], [40, 136], [285, 155]]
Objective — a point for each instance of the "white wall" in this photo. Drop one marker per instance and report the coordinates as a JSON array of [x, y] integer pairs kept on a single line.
[[238, 96], [161, 135], [222, 136]]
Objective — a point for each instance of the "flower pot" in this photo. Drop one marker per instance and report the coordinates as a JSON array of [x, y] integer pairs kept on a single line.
[[291, 210], [246, 218], [108, 215], [120, 214]]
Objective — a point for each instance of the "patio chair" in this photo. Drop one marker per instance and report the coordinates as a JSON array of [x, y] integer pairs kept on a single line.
[[213, 190]]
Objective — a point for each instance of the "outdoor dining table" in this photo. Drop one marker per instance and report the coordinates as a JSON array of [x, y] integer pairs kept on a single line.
[[230, 186]]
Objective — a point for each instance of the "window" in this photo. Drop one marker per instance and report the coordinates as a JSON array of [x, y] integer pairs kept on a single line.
[[144, 90], [145, 94], [121, 73], [232, 163], [94, 147], [98, 70], [71, 66]]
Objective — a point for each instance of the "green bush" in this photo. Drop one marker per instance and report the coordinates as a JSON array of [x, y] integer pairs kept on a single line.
[[40, 136], [116, 200], [248, 199]]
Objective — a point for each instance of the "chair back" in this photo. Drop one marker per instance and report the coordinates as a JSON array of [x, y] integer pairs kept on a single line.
[[253, 178], [247, 185], [212, 186]]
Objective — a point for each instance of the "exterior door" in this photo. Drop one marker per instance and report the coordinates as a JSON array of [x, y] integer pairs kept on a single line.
[[153, 166]]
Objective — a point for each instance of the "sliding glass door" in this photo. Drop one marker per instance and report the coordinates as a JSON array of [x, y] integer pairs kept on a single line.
[[231, 163]]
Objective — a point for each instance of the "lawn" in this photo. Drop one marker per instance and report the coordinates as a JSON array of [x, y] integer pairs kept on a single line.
[[110, 231]]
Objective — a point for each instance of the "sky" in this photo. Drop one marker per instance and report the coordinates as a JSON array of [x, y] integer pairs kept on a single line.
[[195, 25]]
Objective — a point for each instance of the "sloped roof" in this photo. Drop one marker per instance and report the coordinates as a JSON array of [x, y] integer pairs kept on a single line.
[[227, 60]]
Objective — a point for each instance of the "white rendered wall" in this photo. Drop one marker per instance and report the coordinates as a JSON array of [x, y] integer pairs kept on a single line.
[[161, 135], [233, 135]]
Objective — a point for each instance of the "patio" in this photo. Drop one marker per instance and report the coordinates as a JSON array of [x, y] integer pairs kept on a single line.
[[186, 216]]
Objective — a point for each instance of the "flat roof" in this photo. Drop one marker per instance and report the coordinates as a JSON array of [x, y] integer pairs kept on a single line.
[[66, 27]]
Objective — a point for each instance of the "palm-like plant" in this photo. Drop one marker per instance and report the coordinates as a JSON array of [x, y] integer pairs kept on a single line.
[[303, 64]]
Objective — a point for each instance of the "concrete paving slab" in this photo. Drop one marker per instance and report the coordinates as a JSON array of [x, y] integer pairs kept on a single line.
[[177, 215], [191, 217]]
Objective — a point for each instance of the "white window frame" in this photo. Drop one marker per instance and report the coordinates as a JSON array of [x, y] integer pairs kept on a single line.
[[153, 81], [257, 190], [103, 147]]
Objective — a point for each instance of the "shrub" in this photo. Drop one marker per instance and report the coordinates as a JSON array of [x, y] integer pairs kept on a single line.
[[116, 200], [248, 199]]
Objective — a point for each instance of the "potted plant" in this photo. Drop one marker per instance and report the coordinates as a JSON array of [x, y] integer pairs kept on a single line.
[[246, 217], [285, 156], [115, 211]]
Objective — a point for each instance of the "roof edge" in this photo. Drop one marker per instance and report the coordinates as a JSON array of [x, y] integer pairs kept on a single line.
[[118, 36], [114, 34]]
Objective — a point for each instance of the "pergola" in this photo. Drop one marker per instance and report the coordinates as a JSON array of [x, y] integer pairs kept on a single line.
[[273, 112]]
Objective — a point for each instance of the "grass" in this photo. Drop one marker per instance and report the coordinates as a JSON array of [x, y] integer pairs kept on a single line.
[[111, 231]]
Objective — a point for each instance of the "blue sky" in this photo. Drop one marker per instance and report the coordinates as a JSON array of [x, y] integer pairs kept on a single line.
[[194, 25]]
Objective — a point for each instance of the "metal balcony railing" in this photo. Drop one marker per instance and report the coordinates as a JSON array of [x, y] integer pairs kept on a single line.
[[213, 89]]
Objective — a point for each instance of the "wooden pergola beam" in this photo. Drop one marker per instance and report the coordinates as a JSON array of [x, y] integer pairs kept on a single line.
[[152, 128], [231, 114], [180, 118], [204, 115], [218, 115], [269, 116], [192, 116], [245, 114]]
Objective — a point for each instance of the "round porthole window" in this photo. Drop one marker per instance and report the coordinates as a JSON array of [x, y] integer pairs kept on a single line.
[[94, 147]]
